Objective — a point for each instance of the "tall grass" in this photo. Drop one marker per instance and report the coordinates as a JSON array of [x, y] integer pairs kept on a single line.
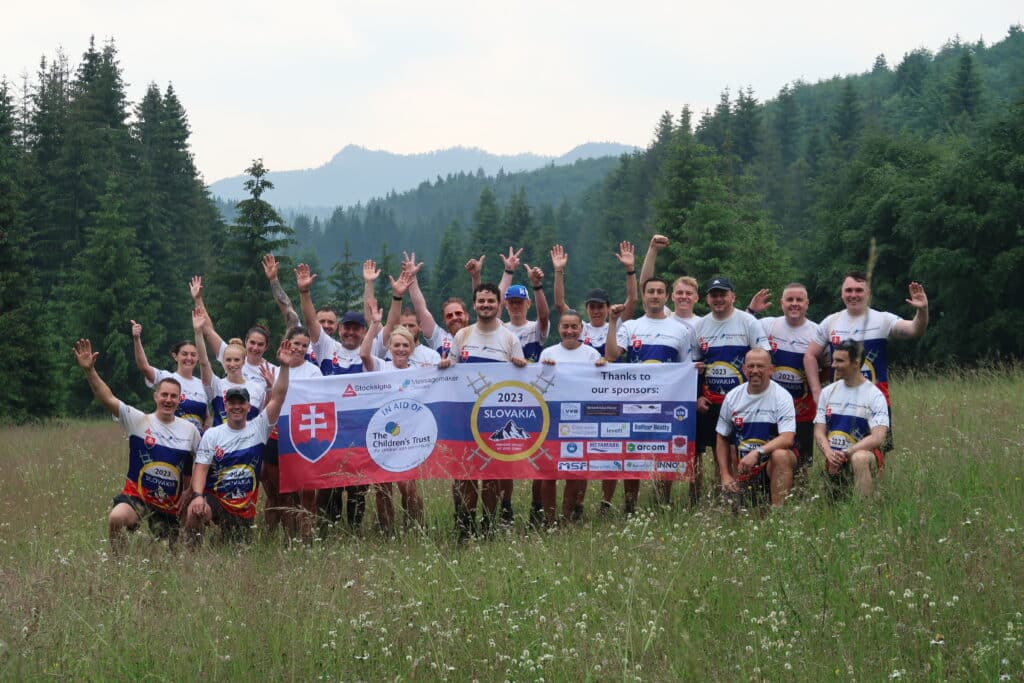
[[926, 582]]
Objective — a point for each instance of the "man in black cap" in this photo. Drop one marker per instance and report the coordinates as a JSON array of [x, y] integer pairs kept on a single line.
[[723, 338]]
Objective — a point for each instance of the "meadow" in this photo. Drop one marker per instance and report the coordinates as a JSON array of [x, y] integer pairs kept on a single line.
[[924, 582]]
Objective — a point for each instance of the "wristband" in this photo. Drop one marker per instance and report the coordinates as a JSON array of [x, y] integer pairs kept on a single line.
[[536, 287], [397, 298], [510, 272], [630, 272], [561, 272]]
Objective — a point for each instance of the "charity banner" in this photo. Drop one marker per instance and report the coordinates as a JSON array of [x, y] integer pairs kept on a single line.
[[490, 421]]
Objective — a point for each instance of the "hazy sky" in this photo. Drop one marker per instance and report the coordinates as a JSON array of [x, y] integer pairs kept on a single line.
[[294, 82]]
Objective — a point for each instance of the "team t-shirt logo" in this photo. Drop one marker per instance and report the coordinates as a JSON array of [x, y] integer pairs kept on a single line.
[[737, 420], [828, 411], [464, 355], [446, 347], [586, 340], [218, 453], [149, 439], [835, 338], [313, 428], [637, 343], [703, 344], [772, 343]]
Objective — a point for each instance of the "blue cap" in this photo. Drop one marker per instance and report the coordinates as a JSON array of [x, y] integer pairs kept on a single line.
[[353, 317], [517, 292]]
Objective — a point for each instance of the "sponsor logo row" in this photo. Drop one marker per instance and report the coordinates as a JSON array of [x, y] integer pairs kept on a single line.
[[622, 466], [578, 449], [611, 429], [574, 411]]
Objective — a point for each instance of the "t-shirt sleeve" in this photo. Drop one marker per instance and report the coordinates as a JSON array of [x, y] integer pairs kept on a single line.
[[515, 347], [378, 349], [724, 426], [622, 336], [457, 341], [221, 351], [158, 376], [889, 321], [129, 418], [879, 410], [205, 449], [819, 415], [756, 336], [821, 333], [786, 410]]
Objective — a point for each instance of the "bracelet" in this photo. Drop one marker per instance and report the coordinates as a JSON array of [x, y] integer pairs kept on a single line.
[[303, 291], [510, 272], [536, 287], [561, 272], [630, 272], [397, 298]]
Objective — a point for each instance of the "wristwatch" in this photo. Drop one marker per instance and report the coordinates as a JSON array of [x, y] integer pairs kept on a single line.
[[760, 451]]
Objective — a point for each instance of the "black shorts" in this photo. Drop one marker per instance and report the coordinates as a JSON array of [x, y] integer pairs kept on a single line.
[[270, 452], [162, 524], [706, 424], [804, 445]]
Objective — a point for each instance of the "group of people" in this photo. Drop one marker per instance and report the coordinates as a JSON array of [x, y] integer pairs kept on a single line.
[[202, 455]]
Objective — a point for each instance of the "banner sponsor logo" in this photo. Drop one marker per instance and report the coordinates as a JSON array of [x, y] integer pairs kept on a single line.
[[602, 410], [572, 466], [572, 449], [680, 413], [679, 444], [614, 429], [569, 411], [647, 447], [639, 465], [605, 465], [641, 408], [604, 447], [671, 466], [657, 427], [401, 435], [578, 429], [510, 421]]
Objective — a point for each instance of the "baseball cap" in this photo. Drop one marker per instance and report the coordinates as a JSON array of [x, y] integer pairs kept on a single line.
[[353, 317], [237, 392], [517, 292], [599, 296], [719, 283]]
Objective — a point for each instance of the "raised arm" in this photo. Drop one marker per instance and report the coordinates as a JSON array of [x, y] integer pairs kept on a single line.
[[284, 303], [559, 260], [419, 302], [141, 362], [370, 275], [304, 281], [205, 369], [912, 329], [611, 343], [511, 263], [627, 257], [475, 268], [366, 347], [812, 369], [87, 361], [658, 242], [196, 290], [398, 289], [536, 276], [280, 389]]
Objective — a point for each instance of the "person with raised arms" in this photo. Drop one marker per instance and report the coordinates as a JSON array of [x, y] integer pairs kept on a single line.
[[226, 477], [597, 301], [453, 311], [569, 350], [788, 336], [851, 423], [723, 338], [860, 322], [400, 348], [256, 339], [216, 388], [485, 341], [652, 338], [684, 289], [755, 434], [193, 405], [160, 451], [422, 356]]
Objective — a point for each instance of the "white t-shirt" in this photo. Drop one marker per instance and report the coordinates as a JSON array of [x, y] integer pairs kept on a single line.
[[594, 336], [249, 371], [235, 457], [690, 322], [753, 420], [531, 338], [219, 386], [871, 329], [723, 345], [471, 345], [655, 340], [159, 456], [788, 345], [440, 341], [421, 356], [849, 413], [560, 354], [334, 358]]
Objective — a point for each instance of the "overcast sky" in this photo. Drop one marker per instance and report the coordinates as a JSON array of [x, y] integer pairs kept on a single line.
[[294, 82]]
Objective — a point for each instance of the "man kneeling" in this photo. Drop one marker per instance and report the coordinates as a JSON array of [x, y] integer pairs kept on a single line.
[[759, 419], [226, 474], [851, 423]]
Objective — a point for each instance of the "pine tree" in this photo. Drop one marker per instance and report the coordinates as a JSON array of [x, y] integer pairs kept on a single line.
[[963, 95], [486, 221], [449, 274], [746, 125], [346, 285]]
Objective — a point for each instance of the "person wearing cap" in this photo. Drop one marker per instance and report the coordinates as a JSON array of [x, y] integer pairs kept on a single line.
[[160, 450], [755, 434], [597, 301], [685, 290], [851, 424], [789, 335], [336, 357], [651, 338], [723, 338], [485, 341], [226, 474], [860, 322]]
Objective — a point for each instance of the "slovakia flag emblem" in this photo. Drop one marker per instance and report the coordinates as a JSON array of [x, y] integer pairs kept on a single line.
[[313, 428]]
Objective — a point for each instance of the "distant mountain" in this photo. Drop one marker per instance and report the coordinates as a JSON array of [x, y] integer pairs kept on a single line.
[[356, 174]]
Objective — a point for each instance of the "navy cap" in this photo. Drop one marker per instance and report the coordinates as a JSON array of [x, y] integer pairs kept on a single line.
[[353, 317], [598, 296], [517, 292], [719, 283], [237, 392]]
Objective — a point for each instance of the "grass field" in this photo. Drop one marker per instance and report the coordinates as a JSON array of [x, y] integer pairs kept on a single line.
[[925, 582]]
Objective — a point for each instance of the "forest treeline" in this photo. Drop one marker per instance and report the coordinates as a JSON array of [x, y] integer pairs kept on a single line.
[[104, 217]]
